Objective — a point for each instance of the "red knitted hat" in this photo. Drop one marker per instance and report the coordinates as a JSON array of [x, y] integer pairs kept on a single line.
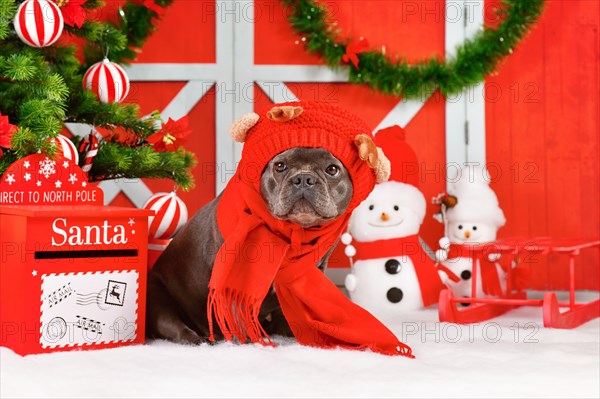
[[405, 166], [316, 125]]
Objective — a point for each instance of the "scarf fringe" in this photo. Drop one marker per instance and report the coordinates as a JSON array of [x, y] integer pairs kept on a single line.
[[401, 349], [236, 314]]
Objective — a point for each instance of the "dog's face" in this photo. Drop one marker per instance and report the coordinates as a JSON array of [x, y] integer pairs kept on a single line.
[[307, 186]]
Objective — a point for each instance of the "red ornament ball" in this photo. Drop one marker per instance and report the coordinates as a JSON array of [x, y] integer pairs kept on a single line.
[[170, 215], [66, 148], [108, 81], [39, 23]]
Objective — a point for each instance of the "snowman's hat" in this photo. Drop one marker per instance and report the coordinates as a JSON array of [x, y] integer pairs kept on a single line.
[[405, 168], [476, 201]]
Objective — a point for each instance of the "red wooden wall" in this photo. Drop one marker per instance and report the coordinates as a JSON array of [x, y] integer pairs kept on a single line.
[[543, 134], [542, 110]]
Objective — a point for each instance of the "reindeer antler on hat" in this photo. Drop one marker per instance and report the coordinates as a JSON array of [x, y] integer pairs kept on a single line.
[[314, 125]]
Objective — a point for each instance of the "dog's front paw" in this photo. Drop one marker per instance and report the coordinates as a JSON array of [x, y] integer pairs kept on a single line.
[[187, 336]]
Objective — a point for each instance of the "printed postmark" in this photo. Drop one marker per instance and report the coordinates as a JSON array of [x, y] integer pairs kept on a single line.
[[55, 329], [92, 298]]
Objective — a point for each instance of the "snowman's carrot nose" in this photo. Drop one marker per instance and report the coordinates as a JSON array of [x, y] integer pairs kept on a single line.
[[467, 234], [384, 217]]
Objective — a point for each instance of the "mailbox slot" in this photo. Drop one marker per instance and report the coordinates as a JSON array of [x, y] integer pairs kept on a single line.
[[90, 253]]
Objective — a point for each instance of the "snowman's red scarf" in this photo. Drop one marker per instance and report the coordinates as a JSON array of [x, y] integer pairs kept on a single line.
[[261, 251], [490, 281], [429, 279]]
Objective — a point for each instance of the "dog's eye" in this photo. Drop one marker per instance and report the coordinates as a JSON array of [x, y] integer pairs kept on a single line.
[[280, 167], [332, 170]]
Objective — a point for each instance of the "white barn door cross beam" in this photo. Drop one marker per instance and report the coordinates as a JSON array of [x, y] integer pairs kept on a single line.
[[235, 73]]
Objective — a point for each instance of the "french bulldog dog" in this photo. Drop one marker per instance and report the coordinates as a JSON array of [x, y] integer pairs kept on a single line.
[[306, 186]]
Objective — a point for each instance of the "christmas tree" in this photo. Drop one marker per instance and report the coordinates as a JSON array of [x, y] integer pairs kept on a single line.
[[41, 90]]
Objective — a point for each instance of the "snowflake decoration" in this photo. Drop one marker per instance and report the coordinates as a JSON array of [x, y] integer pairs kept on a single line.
[[47, 167], [83, 184], [131, 221], [65, 164], [38, 183], [27, 176], [26, 164], [58, 184], [10, 179], [72, 178]]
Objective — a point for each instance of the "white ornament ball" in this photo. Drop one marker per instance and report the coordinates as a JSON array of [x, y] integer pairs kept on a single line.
[[66, 148], [170, 215], [444, 242], [346, 238], [39, 23], [350, 282], [108, 81], [350, 251], [441, 255]]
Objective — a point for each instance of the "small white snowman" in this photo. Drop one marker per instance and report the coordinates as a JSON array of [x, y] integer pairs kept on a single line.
[[472, 217], [391, 273]]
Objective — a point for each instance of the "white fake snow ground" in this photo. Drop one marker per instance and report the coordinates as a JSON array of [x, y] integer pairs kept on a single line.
[[492, 359]]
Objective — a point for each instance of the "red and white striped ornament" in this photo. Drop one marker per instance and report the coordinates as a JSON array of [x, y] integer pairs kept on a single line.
[[108, 81], [66, 148], [88, 148], [170, 215], [39, 23]]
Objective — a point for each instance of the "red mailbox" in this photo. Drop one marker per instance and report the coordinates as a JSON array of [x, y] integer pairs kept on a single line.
[[72, 271]]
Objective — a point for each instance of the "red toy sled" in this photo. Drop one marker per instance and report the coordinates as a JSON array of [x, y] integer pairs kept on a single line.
[[481, 309]]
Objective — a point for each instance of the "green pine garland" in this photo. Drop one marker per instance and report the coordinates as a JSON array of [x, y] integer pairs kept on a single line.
[[474, 60], [41, 89]]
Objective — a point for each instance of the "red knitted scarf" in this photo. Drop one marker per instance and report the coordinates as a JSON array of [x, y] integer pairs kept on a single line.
[[429, 279], [261, 251], [490, 281]]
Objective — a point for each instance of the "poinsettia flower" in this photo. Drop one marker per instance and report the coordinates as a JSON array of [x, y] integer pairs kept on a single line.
[[165, 138], [7, 131], [73, 12]]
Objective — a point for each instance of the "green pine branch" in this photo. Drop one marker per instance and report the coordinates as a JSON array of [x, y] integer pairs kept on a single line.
[[115, 161], [41, 90]]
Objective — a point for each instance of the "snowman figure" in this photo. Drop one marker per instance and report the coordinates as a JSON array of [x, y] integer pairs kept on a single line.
[[391, 273], [472, 216]]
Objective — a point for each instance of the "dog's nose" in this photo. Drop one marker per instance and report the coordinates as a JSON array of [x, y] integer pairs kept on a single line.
[[467, 234], [304, 180], [384, 216]]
